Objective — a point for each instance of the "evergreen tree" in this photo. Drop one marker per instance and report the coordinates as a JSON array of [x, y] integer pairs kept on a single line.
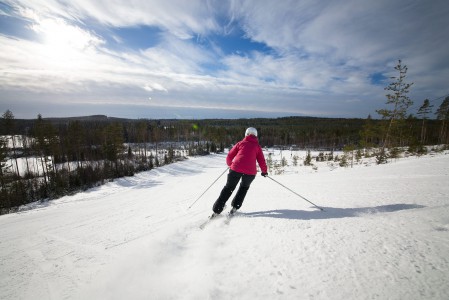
[[8, 124], [308, 160], [46, 145], [39, 145], [4, 167], [113, 144], [348, 153], [284, 162], [142, 134], [395, 117], [423, 111], [151, 164], [443, 115], [75, 140], [295, 160]]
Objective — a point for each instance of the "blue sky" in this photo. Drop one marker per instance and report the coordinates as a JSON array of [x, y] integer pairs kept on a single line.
[[218, 59]]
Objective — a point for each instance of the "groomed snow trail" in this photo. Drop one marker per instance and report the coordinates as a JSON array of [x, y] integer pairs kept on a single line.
[[384, 234]]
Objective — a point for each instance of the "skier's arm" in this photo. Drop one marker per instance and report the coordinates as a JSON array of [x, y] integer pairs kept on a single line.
[[232, 153], [261, 161]]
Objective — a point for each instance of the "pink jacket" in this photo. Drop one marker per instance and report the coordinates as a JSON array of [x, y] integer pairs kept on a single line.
[[242, 157]]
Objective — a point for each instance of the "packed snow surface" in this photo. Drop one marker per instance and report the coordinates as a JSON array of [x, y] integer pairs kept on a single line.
[[383, 234]]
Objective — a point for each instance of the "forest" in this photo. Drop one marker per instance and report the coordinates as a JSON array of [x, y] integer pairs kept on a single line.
[[47, 158]]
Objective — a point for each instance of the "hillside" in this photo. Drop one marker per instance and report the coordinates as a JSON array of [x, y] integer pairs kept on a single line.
[[384, 234]]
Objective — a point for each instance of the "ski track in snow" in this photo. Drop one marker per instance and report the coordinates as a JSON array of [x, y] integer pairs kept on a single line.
[[384, 234]]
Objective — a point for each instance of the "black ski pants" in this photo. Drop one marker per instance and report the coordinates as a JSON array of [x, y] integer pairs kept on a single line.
[[233, 179]]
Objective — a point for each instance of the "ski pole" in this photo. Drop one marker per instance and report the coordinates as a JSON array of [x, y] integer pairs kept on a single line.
[[208, 188], [296, 194]]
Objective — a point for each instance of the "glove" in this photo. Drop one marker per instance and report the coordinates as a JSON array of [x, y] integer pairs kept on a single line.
[[264, 174]]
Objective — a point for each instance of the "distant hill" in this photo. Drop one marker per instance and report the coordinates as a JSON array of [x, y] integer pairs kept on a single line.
[[81, 118], [86, 118]]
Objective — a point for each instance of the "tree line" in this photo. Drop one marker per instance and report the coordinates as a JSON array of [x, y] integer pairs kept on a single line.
[[49, 158]]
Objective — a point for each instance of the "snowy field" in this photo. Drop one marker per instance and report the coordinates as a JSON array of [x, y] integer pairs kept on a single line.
[[384, 234]]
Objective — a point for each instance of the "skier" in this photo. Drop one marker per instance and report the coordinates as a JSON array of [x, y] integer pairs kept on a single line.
[[242, 165]]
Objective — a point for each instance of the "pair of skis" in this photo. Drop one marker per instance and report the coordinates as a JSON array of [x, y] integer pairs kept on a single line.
[[214, 216]]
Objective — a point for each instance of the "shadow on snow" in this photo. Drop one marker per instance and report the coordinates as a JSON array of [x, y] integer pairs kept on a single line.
[[329, 212]]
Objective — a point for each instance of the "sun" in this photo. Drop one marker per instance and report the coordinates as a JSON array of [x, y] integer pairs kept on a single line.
[[64, 44]]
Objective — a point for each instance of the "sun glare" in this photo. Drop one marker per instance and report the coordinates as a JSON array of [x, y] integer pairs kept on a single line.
[[64, 45]]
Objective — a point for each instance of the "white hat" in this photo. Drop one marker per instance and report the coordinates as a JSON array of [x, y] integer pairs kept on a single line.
[[251, 131]]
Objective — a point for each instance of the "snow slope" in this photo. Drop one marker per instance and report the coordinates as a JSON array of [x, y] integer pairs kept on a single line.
[[384, 234]]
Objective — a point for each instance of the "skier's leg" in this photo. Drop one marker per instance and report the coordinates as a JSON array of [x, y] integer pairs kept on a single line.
[[243, 189], [239, 197], [226, 192]]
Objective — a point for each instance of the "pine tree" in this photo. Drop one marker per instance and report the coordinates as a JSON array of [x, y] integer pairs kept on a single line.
[[443, 115], [142, 138], [395, 117], [46, 145], [8, 124], [308, 160], [75, 140], [423, 111], [4, 167], [39, 145], [113, 144], [295, 160]]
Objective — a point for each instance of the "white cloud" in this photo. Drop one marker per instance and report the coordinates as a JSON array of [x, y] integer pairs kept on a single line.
[[154, 86], [61, 36], [183, 19], [322, 52]]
